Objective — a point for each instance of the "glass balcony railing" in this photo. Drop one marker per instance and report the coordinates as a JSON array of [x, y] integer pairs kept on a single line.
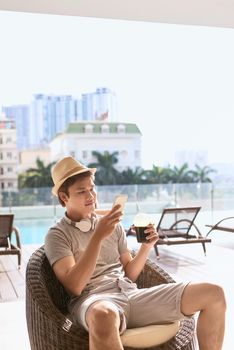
[[147, 198]]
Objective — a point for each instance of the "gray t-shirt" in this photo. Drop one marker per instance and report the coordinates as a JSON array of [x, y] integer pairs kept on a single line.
[[64, 239]]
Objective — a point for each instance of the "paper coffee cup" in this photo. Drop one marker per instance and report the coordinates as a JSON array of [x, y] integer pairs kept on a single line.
[[141, 221]]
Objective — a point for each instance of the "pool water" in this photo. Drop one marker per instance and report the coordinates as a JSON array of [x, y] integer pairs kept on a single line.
[[33, 231]]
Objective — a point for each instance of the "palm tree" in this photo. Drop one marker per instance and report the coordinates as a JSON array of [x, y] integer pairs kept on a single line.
[[157, 175], [200, 174], [181, 174], [105, 164], [130, 176], [37, 177]]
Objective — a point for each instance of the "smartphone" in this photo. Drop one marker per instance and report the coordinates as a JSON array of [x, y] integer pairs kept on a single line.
[[121, 199]]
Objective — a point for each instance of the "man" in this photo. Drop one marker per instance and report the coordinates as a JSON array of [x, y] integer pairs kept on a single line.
[[90, 257]]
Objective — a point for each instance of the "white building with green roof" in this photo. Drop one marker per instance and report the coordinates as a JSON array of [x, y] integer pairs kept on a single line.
[[80, 139]]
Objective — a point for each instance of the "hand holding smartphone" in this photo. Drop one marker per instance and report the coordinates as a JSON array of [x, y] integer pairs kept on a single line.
[[121, 199]]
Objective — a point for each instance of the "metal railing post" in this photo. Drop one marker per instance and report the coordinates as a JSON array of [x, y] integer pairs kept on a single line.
[[212, 203], [175, 195]]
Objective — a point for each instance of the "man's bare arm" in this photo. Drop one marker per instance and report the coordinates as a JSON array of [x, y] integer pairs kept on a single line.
[[134, 266]]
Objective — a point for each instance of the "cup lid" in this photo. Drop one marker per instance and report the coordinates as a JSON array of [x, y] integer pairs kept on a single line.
[[142, 220]]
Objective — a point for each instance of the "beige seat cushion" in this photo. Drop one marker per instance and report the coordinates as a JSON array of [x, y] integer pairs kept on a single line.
[[147, 336]]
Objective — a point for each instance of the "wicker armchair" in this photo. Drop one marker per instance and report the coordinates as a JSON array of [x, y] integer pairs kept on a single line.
[[46, 307]]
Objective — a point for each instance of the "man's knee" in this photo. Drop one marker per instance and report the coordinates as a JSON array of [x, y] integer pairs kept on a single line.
[[200, 296], [217, 296], [102, 317]]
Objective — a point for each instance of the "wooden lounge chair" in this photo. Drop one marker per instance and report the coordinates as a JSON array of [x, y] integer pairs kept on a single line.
[[176, 226], [50, 328], [6, 229], [220, 226]]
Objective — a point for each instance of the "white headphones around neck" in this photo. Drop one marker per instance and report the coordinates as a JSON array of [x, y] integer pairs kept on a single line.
[[83, 225]]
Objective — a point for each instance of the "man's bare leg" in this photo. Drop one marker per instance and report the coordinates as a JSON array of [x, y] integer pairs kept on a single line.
[[103, 321], [209, 299]]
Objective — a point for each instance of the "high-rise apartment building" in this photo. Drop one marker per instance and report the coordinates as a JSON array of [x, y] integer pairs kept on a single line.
[[49, 115], [21, 115], [191, 157], [98, 105], [9, 159]]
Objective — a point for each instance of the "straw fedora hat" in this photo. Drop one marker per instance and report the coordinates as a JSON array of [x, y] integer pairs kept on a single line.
[[65, 168]]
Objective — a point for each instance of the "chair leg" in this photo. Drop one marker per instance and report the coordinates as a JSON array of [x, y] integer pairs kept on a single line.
[[19, 259], [156, 251], [204, 248]]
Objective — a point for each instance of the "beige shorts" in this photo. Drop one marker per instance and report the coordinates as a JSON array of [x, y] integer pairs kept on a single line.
[[137, 307]]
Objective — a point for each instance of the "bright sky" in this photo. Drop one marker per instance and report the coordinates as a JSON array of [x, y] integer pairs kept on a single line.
[[175, 81]]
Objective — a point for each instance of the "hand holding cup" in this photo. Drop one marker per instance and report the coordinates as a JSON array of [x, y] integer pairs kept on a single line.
[[144, 228]]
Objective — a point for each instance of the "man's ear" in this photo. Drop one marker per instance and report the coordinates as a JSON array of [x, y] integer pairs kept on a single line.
[[63, 196]]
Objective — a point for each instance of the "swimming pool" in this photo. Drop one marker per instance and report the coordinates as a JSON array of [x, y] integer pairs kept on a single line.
[[33, 231]]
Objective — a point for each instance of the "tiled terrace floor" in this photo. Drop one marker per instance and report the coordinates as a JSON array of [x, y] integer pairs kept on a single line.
[[183, 262]]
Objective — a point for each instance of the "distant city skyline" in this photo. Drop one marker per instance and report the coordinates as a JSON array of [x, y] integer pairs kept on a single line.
[[38, 122], [174, 81]]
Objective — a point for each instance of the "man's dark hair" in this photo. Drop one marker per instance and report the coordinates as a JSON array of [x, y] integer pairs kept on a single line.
[[69, 182]]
